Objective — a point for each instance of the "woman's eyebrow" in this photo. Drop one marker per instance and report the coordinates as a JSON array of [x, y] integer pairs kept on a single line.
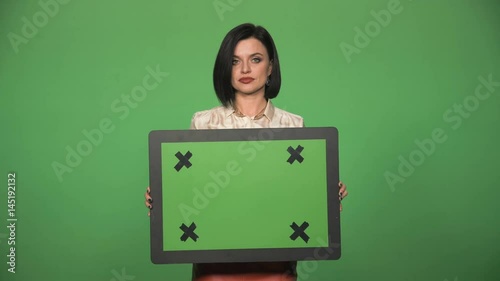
[[235, 56]]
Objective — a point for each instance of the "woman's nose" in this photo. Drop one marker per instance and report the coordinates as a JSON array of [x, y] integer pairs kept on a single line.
[[245, 68]]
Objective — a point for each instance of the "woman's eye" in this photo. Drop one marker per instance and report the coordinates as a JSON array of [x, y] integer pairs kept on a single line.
[[235, 62], [256, 60]]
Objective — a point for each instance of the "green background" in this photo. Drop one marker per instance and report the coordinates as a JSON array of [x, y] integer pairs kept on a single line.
[[253, 202], [441, 223]]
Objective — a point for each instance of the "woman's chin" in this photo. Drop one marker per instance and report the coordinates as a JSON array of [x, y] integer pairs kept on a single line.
[[250, 92]]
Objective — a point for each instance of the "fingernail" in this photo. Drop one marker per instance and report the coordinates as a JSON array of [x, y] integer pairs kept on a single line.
[[150, 207], [150, 200]]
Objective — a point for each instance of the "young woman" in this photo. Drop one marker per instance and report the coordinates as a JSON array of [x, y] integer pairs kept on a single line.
[[246, 77]]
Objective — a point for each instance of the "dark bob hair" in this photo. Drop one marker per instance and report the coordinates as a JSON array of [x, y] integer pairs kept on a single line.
[[224, 62]]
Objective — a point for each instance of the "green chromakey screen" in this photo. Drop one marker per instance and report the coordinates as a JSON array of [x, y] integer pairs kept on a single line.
[[225, 197], [241, 200]]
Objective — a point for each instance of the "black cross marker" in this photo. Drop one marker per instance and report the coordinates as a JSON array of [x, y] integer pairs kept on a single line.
[[183, 160], [299, 231], [295, 154], [188, 232]]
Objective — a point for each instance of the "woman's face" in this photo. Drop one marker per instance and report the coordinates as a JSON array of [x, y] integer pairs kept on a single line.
[[251, 67]]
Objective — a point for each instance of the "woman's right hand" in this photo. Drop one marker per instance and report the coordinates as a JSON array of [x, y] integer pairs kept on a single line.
[[149, 200]]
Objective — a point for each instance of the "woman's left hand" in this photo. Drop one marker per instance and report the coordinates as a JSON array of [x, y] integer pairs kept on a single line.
[[342, 192]]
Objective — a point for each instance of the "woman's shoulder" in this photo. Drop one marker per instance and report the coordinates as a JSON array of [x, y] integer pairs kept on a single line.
[[208, 112], [281, 112], [200, 119], [288, 119]]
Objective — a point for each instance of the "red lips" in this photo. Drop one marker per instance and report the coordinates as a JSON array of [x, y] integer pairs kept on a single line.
[[246, 80]]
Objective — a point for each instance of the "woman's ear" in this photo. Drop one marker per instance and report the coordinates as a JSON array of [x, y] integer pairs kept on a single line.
[[270, 68]]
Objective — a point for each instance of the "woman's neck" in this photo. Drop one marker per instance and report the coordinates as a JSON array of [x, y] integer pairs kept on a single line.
[[250, 105]]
